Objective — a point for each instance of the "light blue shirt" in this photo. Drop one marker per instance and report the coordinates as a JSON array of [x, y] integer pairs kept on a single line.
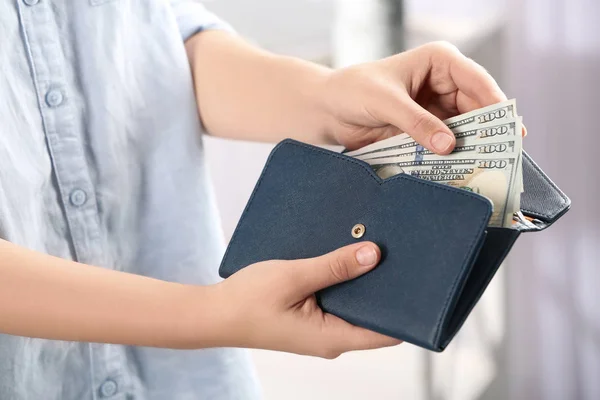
[[101, 161]]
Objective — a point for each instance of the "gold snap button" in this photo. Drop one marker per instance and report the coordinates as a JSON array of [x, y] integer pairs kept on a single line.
[[358, 231]]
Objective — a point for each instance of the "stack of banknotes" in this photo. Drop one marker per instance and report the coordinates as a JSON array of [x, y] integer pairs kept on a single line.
[[486, 159]]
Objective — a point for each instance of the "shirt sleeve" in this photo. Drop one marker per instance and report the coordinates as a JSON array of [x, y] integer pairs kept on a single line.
[[192, 17]]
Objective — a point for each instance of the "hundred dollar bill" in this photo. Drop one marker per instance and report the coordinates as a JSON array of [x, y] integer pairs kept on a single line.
[[390, 143], [494, 138], [489, 133], [494, 113], [512, 147], [493, 178], [500, 112], [487, 117]]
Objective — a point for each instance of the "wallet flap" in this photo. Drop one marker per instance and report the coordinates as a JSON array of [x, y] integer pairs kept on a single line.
[[541, 198], [307, 202]]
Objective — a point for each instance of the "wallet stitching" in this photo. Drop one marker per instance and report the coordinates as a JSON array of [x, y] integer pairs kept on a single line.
[[482, 224], [552, 185]]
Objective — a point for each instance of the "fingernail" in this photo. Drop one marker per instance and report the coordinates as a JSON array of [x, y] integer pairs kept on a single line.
[[366, 256], [441, 141]]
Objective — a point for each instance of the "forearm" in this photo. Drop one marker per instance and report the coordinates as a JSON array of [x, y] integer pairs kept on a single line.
[[48, 297], [246, 93]]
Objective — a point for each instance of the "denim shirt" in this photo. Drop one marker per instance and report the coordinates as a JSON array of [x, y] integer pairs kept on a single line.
[[101, 161]]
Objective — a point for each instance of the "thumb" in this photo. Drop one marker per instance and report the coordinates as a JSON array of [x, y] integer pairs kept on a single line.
[[341, 265], [419, 123]]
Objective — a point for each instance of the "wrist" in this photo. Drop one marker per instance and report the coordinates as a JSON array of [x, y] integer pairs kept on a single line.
[[325, 116], [309, 115], [330, 95], [199, 318]]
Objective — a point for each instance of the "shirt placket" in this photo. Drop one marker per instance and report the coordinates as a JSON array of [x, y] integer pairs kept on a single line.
[[64, 144], [71, 172]]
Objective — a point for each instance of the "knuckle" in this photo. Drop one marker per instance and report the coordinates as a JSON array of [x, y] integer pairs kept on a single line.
[[442, 46], [441, 53], [339, 268]]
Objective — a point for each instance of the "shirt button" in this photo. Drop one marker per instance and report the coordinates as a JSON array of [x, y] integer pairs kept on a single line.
[[108, 388], [31, 2], [78, 197], [54, 97]]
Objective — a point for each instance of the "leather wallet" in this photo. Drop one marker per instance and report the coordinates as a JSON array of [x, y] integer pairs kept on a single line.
[[438, 254]]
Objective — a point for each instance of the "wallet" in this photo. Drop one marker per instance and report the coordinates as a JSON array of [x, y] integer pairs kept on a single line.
[[438, 253]]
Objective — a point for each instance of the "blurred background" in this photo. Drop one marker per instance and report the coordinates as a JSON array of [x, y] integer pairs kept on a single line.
[[536, 332]]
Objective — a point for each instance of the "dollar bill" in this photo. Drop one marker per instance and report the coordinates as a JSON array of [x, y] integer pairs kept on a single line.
[[494, 113], [464, 145], [390, 143], [464, 136], [500, 112], [495, 138], [486, 159], [502, 148], [483, 121], [520, 221], [491, 177]]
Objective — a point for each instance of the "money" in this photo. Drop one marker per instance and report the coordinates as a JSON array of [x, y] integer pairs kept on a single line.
[[487, 117], [417, 151], [486, 159], [520, 221], [490, 177], [390, 143], [465, 138], [480, 141], [496, 112]]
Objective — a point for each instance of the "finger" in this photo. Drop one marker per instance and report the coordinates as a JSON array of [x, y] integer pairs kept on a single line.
[[419, 123], [470, 77], [342, 336], [465, 103], [341, 265], [523, 130]]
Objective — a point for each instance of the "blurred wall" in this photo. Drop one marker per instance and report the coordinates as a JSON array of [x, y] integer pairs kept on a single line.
[[554, 279], [296, 27]]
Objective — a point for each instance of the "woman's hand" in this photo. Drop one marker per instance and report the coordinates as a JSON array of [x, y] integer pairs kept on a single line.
[[410, 92], [246, 93], [271, 305]]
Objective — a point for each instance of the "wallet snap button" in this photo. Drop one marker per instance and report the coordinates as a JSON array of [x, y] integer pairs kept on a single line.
[[358, 231]]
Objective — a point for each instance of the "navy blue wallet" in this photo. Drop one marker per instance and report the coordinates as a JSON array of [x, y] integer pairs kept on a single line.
[[438, 254]]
